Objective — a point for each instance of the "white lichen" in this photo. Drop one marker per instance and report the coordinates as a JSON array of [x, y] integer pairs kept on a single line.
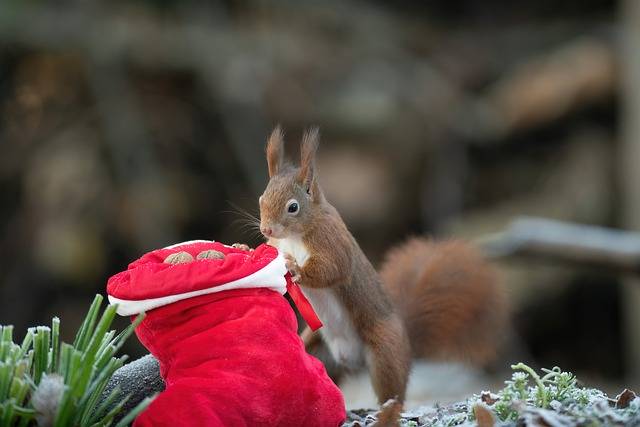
[[46, 399]]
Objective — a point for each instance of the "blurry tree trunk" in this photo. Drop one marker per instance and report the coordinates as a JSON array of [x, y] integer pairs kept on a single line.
[[630, 171]]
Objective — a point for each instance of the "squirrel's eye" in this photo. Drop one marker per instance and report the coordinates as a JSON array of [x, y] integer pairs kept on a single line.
[[293, 207]]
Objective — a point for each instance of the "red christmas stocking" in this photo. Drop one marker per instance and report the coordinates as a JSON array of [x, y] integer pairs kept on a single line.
[[226, 340]]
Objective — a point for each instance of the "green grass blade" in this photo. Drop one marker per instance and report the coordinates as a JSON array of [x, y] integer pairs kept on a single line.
[[6, 340], [7, 413], [108, 418], [95, 390], [106, 403], [41, 352], [55, 345], [84, 333], [66, 351], [103, 326], [126, 333], [128, 419], [26, 343], [19, 390], [5, 380]]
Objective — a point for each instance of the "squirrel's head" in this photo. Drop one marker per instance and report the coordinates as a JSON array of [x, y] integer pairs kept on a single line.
[[293, 194]]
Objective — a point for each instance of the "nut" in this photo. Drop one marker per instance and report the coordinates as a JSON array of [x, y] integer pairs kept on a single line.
[[178, 258], [210, 254]]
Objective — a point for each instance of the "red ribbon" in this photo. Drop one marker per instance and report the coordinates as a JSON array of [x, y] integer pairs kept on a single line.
[[304, 306]]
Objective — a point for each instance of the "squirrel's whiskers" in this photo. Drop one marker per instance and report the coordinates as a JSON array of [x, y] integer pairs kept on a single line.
[[248, 223]]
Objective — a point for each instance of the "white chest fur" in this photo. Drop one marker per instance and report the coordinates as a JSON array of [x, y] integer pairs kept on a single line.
[[293, 246], [338, 331]]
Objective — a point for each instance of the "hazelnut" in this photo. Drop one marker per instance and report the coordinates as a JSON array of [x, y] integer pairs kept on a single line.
[[178, 258], [210, 254]]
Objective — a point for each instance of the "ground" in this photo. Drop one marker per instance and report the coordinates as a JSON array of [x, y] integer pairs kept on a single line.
[[553, 398]]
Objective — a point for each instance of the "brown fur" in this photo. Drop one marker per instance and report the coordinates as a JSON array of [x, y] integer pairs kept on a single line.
[[449, 297], [388, 414], [275, 151], [337, 262]]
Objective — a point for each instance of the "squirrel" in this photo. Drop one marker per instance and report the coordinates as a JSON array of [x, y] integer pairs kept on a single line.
[[430, 299], [361, 324]]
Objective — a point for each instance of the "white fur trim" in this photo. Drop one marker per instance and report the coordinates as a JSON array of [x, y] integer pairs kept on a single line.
[[270, 276], [188, 242]]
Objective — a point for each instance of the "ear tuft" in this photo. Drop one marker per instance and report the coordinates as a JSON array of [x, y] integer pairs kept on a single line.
[[308, 149], [275, 151]]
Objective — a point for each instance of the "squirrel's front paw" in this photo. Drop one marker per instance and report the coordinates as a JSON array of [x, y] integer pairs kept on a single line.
[[242, 247], [293, 267], [178, 258]]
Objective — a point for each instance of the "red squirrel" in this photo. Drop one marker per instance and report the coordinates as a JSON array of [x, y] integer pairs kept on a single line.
[[430, 300], [361, 324]]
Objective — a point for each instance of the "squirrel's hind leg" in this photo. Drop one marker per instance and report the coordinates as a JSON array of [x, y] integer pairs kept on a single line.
[[309, 337], [389, 363]]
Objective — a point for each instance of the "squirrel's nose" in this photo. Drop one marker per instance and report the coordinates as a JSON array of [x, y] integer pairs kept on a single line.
[[267, 231]]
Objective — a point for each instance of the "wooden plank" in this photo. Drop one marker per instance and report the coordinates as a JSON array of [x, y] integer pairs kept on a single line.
[[561, 241]]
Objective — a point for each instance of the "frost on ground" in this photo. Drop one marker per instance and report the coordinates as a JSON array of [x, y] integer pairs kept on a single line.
[[430, 382], [554, 399]]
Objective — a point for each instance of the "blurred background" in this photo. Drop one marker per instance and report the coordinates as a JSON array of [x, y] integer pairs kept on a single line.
[[130, 125]]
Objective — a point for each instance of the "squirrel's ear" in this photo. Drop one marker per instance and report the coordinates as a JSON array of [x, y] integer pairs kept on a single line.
[[307, 174], [275, 151]]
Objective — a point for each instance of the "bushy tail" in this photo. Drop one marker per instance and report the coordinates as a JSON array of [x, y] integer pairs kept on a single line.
[[450, 297]]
